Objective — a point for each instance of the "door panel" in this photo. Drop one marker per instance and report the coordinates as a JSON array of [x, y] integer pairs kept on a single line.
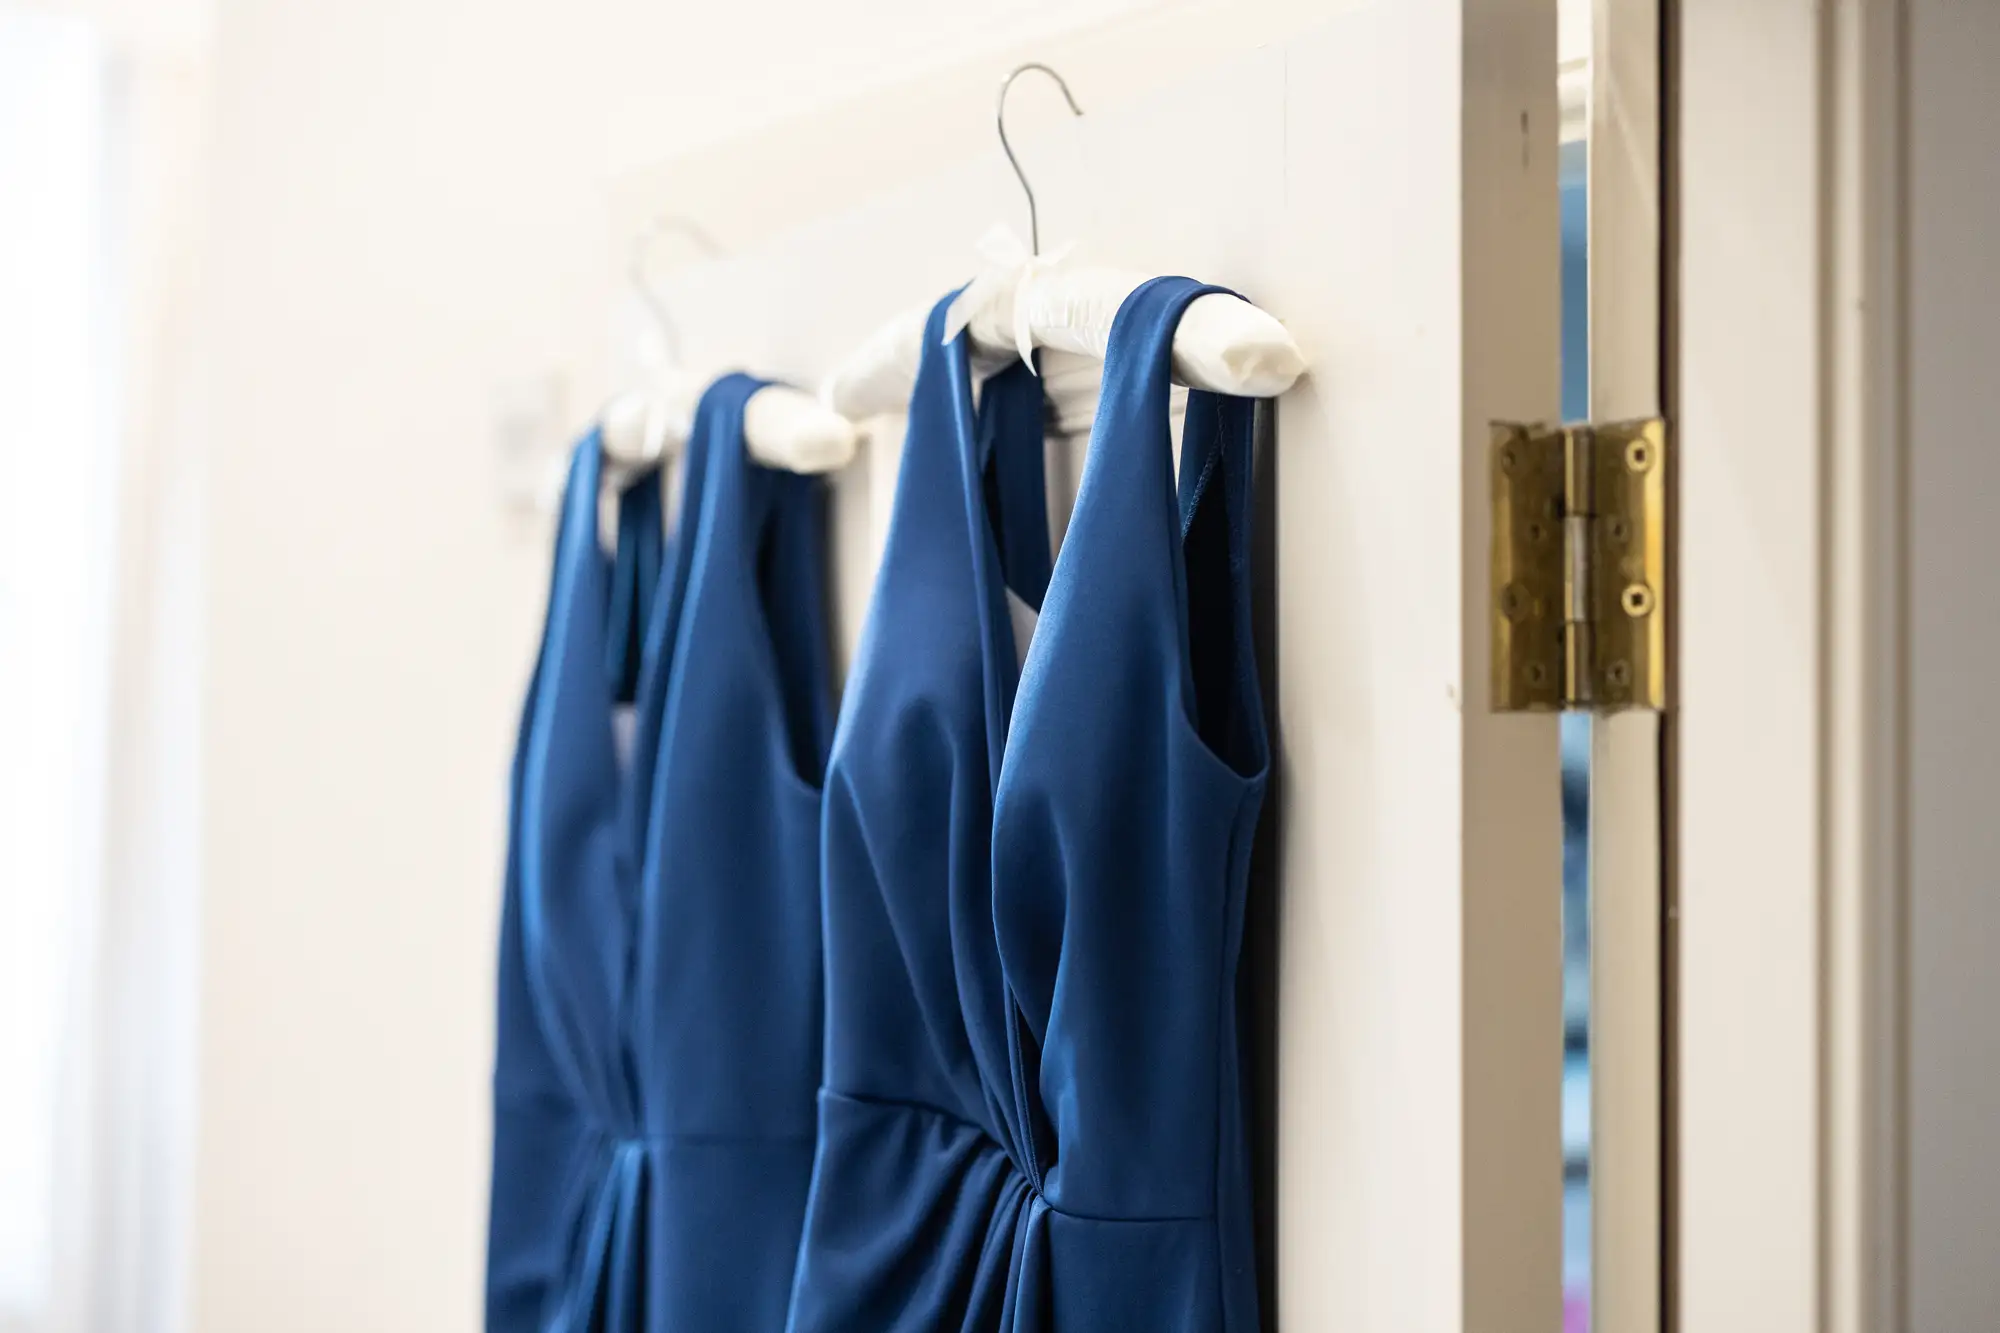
[[1386, 184]]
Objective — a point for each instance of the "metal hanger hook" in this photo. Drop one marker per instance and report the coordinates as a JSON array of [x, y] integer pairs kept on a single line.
[[1000, 123], [642, 285]]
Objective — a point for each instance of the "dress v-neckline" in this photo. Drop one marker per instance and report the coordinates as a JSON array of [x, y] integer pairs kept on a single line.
[[983, 434]]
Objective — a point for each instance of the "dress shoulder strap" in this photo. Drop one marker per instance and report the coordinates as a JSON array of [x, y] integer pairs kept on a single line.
[[1165, 561]]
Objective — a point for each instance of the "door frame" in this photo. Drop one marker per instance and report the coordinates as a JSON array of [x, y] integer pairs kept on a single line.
[[1623, 115], [1787, 761]]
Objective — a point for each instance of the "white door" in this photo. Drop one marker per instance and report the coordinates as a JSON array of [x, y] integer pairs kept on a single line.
[[1385, 183]]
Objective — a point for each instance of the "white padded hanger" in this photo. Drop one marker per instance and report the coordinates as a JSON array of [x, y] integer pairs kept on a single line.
[[1022, 300], [783, 427], [1224, 344]]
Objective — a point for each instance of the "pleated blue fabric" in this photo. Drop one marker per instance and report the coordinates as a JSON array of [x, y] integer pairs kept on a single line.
[[1033, 1117], [660, 977]]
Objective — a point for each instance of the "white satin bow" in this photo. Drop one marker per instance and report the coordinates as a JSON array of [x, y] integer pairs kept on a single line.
[[1005, 272]]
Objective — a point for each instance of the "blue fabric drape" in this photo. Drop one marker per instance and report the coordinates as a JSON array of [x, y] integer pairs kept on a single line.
[[660, 913], [1033, 1114], [726, 1035], [559, 1092]]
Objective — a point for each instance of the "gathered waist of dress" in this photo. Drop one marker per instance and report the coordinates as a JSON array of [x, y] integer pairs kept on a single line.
[[850, 1107]]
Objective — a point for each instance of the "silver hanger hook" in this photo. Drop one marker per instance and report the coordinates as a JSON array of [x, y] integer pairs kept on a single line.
[[642, 286], [1000, 123]]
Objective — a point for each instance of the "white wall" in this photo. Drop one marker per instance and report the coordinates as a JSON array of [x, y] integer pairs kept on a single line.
[[172, 29], [57, 464], [411, 214], [1954, 972]]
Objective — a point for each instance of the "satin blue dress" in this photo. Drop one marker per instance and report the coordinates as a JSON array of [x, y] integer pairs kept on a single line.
[[660, 980], [1034, 1115]]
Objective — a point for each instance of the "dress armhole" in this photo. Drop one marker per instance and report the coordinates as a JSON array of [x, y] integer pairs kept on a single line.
[[1226, 708]]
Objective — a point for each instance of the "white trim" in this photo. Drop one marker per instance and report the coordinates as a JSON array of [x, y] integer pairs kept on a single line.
[[1790, 836], [1749, 757], [1625, 798], [1573, 95], [897, 133], [1866, 856], [1509, 870]]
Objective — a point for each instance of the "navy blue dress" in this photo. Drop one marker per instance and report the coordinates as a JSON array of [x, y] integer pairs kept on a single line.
[[664, 909], [726, 1037], [1033, 1116]]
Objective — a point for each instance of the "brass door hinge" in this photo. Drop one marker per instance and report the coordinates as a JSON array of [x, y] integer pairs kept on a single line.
[[1579, 567]]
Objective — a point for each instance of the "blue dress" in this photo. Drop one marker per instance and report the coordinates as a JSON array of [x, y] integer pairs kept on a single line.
[[1033, 1117], [572, 871], [726, 1036], [663, 909]]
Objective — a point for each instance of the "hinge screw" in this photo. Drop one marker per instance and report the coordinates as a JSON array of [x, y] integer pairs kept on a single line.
[[1638, 455], [1638, 600]]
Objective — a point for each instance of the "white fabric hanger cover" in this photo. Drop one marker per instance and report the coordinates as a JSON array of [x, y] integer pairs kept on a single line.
[[783, 427], [1020, 302]]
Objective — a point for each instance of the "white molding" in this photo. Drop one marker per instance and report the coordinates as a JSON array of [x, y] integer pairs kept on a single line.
[[897, 133], [1790, 837], [1623, 81], [1866, 854], [1573, 96], [1749, 758]]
